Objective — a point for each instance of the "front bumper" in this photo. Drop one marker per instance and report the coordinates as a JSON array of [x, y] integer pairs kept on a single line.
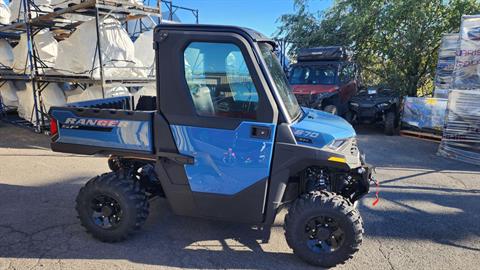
[[367, 179], [366, 112]]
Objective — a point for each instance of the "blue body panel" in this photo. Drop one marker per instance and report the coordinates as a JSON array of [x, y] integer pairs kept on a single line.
[[321, 128], [226, 161], [129, 135]]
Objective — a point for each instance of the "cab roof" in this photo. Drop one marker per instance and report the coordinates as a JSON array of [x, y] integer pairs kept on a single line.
[[244, 31]]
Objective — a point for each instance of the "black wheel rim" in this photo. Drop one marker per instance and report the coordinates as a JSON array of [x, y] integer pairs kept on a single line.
[[324, 235], [106, 212]]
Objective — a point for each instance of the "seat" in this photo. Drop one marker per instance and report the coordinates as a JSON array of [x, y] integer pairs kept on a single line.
[[203, 101], [146, 103]]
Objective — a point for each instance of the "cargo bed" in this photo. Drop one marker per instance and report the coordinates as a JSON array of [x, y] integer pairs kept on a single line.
[[107, 126]]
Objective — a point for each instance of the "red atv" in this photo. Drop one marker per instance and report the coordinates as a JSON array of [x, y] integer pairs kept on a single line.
[[324, 78]]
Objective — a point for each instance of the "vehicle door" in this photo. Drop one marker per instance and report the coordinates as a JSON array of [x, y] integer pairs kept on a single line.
[[222, 114]]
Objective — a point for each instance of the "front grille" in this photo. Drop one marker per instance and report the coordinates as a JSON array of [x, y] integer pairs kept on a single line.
[[370, 112], [354, 148]]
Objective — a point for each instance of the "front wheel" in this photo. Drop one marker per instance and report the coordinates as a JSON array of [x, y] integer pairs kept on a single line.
[[323, 229], [349, 116], [389, 124], [112, 206]]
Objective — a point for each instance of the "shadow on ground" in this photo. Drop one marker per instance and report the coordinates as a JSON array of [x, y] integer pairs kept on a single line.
[[40, 222], [21, 138], [47, 228]]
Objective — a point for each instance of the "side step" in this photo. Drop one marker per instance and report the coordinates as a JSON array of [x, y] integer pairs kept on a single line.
[[421, 135]]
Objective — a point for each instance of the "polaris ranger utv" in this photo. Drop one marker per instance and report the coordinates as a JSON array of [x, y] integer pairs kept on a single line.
[[324, 78], [224, 139]]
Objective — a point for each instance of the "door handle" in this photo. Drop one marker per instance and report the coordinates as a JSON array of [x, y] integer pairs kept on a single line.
[[260, 132]]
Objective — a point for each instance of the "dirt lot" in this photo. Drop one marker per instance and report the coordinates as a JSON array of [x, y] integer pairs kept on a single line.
[[428, 216]]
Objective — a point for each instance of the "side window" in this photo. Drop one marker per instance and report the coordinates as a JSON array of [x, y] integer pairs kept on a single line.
[[346, 73], [219, 80]]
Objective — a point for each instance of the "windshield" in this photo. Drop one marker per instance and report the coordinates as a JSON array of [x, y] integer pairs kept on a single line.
[[316, 75], [280, 80]]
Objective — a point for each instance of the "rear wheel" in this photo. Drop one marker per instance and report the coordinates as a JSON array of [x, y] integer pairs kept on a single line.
[[349, 116], [323, 229], [389, 124], [331, 109], [112, 206]]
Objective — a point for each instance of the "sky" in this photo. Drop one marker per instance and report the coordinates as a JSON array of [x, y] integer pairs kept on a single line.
[[260, 15]]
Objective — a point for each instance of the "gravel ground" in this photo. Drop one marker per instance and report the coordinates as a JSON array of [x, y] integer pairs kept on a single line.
[[428, 216]]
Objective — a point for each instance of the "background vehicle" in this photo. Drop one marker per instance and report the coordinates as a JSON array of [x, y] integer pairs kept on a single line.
[[376, 104], [324, 78], [223, 105]]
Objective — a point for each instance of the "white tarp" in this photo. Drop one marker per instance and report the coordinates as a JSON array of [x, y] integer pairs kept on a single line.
[[6, 54], [51, 95], [445, 64], [65, 3], [136, 27], [46, 47], [8, 91], [95, 92], [118, 91], [72, 91], [17, 8], [461, 135], [144, 51], [4, 13], [138, 2], [77, 54], [26, 103], [467, 61]]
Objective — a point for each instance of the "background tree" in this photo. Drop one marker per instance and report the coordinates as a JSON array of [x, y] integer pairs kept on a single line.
[[395, 42]]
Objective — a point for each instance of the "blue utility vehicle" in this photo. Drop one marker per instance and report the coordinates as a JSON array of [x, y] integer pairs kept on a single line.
[[224, 139]]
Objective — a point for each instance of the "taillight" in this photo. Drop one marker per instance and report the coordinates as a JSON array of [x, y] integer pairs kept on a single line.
[[53, 126]]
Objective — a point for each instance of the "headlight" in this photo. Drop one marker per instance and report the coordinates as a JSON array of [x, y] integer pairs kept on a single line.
[[337, 144], [354, 104], [383, 105]]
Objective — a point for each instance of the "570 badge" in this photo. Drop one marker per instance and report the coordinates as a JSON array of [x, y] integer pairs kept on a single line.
[[306, 133], [305, 136]]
